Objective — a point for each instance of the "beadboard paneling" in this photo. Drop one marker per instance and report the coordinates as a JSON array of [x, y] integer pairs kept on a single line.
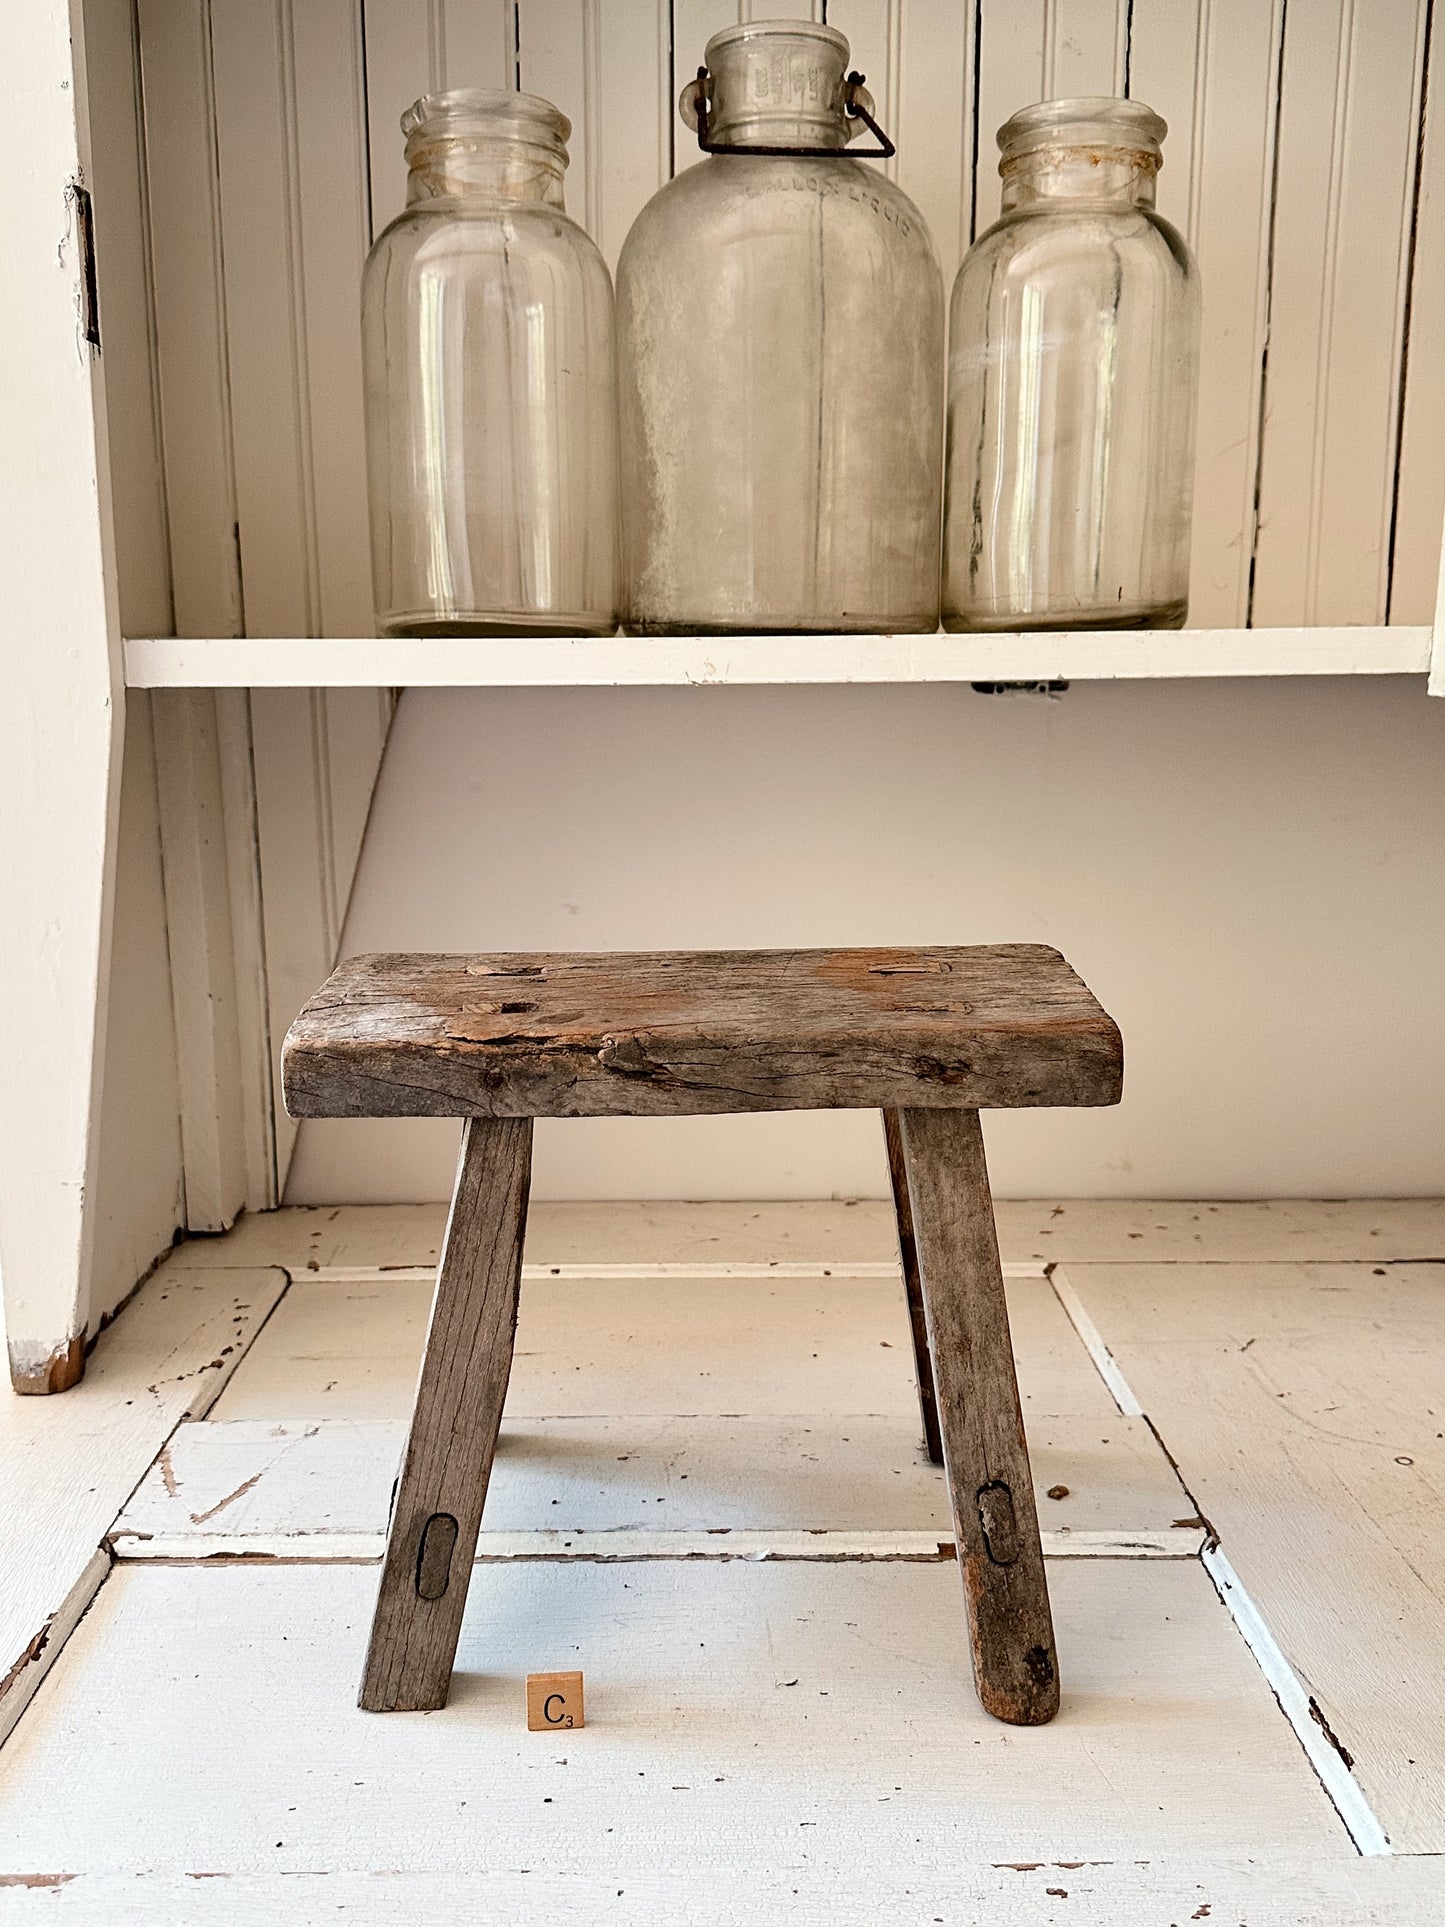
[[188, 285], [1344, 201], [1420, 480], [934, 100], [1291, 164], [261, 214], [1215, 80], [416, 47]]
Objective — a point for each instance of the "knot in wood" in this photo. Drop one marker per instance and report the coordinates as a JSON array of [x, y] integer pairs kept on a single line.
[[1000, 1525], [627, 1057]]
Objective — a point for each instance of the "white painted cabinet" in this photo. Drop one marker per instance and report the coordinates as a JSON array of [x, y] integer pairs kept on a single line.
[[184, 515]]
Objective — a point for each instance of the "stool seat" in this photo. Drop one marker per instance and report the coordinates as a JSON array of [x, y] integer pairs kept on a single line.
[[928, 1037], [690, 1033]]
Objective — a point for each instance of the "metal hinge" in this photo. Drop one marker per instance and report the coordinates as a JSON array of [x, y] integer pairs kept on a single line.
[[80, 201]]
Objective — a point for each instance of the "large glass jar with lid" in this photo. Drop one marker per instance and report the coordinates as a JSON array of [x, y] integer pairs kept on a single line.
[[1073, 351], [490, 388], [780, 346]]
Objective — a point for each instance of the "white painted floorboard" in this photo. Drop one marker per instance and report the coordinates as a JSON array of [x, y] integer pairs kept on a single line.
[[740, 1717], [726, 1388], [1101, 1230], [1305, 1405], [69, 1463], [309, 1488], [1161, 1892], [645, 1348]]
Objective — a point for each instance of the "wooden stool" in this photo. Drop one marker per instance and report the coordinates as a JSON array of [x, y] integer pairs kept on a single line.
[[930, 1037]]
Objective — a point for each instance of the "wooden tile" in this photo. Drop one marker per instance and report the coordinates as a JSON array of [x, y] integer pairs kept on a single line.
[[554, 1702], [745, 1716], [1305, 1406]]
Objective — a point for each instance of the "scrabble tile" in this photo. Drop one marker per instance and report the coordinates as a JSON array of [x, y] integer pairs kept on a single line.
[[554, 1701]]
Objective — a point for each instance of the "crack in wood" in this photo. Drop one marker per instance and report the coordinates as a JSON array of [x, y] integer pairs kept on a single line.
[[200, 1518]]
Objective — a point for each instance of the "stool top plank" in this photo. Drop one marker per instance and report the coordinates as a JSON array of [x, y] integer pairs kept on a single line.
[[690, 1033]]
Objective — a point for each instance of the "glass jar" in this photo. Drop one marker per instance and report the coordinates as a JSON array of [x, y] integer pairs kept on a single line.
[[490, 389], [780, 351], [1072, 374]]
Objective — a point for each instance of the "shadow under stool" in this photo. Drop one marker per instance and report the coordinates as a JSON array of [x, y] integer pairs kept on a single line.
[[930, 1037]]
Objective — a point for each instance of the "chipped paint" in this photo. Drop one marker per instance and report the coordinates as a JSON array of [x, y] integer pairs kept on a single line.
[[28, 1658], [33, 1372]]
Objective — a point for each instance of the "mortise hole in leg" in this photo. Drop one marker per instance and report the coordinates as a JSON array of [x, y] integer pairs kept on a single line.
[[434, 1556], [1000, 1524]]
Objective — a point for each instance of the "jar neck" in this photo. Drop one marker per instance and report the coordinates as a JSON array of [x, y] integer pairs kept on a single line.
[[1121, 177], [778, 86], [468, 168]]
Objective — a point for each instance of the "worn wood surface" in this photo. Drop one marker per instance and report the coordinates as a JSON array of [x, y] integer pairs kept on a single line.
[[780, 1715], [442, 1488], [718, 1543], [314, 1488], [1275, 1892], [655, 1347], [168, 1353], [985, 1457], [678, 1033], [912, 1288], [1304, 1406], [1035, 1231]]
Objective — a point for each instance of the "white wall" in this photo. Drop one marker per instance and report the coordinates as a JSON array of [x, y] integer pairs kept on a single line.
[[138, 1176], [138, 1180], [1249, 874]]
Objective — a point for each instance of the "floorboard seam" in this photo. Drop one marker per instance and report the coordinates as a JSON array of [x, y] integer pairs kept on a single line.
[[1321, 1748]]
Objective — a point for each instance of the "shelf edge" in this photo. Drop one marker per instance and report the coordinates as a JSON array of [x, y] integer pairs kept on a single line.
[[249, 662]]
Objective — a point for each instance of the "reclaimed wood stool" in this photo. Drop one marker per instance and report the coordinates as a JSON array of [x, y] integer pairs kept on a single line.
[[929, 1037]]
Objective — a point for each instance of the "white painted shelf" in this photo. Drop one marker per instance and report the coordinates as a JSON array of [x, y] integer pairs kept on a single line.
[[253, 662]]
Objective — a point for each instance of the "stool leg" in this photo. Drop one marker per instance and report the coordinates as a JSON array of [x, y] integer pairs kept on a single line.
[[1014, 1664], [908, 1252], [437, 1511]]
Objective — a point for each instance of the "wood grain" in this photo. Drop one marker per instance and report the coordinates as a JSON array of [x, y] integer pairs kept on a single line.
[[987, 1462], [678, 1033], [913, 1289], [443, 1484]]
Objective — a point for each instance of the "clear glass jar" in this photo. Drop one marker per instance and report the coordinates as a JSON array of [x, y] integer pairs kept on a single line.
[[1072, 376], [780, 351], [490, 389]]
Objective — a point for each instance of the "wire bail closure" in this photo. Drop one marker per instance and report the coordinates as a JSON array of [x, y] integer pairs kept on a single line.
[[857, 104]]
